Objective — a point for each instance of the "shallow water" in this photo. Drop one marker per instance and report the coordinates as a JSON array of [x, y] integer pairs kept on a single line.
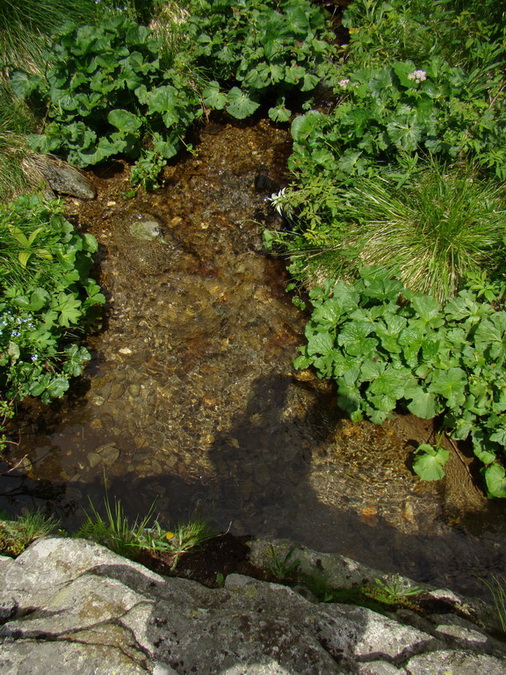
[[191, 400]]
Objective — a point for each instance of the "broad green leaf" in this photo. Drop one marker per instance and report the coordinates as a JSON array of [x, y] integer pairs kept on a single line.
[[349, 395], [371, 370], [303, 126], [496, 480], [382, 403], [492, 333], [353, 337], [390, 383], [389, 329], [69, 308], [499, 436], [429, 465], [161, 99], [320, 343], [309, 82], [411, 338], [125, 121], [301, 362], [280, 113], [38, 299], [57, 387], [426, 306], [213, 97], [423, 403], [384, 289], [451, 384], [328, 313], [240, 105]]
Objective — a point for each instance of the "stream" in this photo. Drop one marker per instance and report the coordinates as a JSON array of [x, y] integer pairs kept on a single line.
[[191, 401]]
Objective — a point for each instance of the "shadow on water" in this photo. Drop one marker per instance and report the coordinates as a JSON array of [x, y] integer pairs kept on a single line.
[[191, 401], [271, 494]]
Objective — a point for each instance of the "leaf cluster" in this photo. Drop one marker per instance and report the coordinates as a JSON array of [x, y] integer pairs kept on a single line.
[[46, 298], [107, 89], [404, 110], [386, 346], [253, 51]]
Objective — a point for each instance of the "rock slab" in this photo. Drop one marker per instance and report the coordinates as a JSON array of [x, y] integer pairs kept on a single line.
[[68, 605]]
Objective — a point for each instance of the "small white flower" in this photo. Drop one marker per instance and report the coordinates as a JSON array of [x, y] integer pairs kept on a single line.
[[418, 76], [344, 82], [276, 199]]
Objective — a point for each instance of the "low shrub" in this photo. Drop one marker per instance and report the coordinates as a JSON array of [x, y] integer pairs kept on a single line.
[[46, 298], [264, 51], [108, 91], [386, 346]]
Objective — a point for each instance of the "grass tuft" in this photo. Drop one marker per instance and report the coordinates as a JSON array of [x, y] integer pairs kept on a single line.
[[431, 234]]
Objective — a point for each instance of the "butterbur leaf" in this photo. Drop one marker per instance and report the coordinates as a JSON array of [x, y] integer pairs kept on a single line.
[[496, 480], [240, 105], [57, 387], [213, 97], [279, 113], [125, 121], [423, 403], [303, 126], [429, 464], [320, 343]]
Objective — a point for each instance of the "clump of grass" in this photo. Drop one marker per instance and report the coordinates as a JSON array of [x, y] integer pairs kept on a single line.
[[17, 535], [115, 531], [497, 589], [448, 223], [15, 121], [131, 540]]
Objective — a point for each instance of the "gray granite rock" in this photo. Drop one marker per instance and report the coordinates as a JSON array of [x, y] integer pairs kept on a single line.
[[63, 178], [73, 606]]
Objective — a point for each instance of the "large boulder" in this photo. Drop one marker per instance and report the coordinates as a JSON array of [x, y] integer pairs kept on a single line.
[[71, 606]]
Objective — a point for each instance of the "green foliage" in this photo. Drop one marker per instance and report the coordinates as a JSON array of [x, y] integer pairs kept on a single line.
[[497, 589], [283, 567], [403, 110], [446, 225], [46, 297], [387, 346], [107, 89], [131, 540], [268, 50], [430, 461], [463, 32], [17, 535], [27, 25]]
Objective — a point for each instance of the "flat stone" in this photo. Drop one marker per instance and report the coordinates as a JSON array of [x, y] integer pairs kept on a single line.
[[108, 453], [63, 178]]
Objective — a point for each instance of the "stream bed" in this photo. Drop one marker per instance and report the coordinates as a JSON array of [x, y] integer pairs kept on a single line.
[[191, 400]]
